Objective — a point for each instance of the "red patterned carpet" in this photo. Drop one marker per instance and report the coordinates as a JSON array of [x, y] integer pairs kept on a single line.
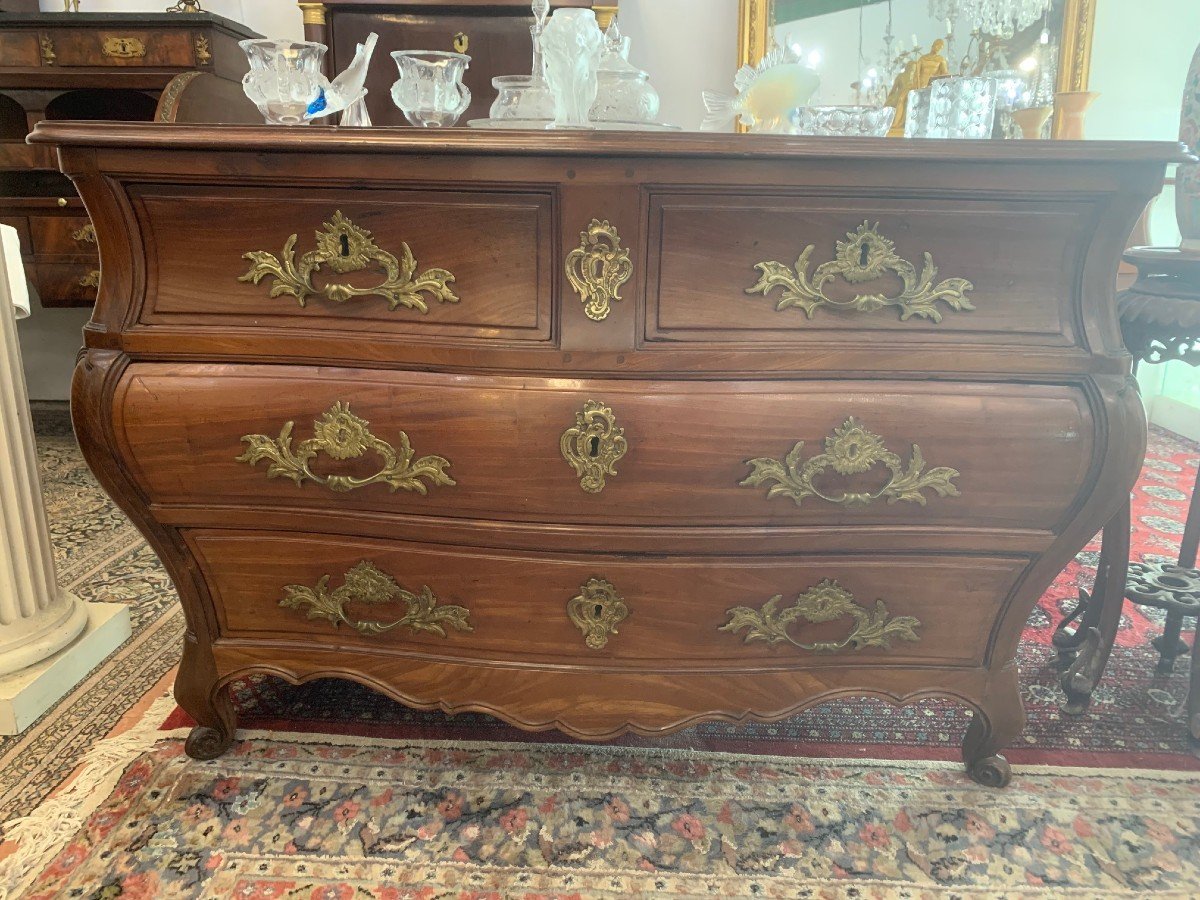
[[1135, 720]]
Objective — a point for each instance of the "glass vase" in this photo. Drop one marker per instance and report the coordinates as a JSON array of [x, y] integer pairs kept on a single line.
[[285, 79], [430, 91]]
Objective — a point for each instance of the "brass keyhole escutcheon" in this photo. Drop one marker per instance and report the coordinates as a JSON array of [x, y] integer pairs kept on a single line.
[[594, 445], [462, 43], [597, 611]]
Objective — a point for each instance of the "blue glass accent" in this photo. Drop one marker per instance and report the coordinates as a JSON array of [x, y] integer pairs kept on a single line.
[[319, 104]]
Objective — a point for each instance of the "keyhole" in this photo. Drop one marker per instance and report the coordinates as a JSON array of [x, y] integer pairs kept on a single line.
[[593, 447], [863, 252], [599, 610], [345, 245]]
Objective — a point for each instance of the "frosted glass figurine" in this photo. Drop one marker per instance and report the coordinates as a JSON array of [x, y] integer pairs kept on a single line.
[[571, 45], [767, 95]]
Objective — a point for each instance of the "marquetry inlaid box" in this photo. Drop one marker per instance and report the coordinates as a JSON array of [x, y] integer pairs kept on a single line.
[[608, 432]]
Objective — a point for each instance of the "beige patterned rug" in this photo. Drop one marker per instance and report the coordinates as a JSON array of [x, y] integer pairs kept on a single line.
[[308, 816], [102, 557]]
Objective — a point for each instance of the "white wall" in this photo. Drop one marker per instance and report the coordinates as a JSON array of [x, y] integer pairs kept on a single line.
[[686, 45]]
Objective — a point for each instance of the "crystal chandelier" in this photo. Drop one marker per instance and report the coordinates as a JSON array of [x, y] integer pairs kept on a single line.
[[999, 17]]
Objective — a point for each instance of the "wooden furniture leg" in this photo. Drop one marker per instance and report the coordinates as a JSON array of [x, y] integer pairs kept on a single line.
[[1087, 648], [995, 725]]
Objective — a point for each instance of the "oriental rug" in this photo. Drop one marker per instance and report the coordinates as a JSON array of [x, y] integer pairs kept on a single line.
[[305, 816]]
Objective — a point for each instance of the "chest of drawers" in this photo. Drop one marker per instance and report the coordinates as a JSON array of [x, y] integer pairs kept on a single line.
[[608, 432]]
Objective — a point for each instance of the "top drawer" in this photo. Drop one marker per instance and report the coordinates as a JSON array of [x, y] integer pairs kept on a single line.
[[433, 265], [786, 270], [122, 47]]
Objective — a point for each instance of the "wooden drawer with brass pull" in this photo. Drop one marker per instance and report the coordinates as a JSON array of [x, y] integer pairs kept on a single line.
[[429, 265], [819, 452], [602, 611], [129, 47], [63, 236], [813, 269]]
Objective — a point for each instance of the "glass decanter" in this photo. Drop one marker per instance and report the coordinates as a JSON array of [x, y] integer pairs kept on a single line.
[[285, 78], [430, 91]]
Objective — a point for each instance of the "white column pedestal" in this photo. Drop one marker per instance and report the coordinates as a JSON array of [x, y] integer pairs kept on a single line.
[[38, 620]]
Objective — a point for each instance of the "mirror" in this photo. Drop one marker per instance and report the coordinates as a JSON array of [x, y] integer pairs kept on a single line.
[[860, 46]]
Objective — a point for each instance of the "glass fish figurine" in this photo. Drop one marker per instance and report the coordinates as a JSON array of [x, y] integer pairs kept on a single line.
[[766, 95]]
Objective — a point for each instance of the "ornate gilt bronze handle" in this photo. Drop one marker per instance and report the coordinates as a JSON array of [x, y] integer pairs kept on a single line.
[[597, 268], [342, 435], [851, 450], [594, 445], [597, 611], [343, 247], [84, 235], [366, 584], [864, 256], [824, 603], [91, 279]]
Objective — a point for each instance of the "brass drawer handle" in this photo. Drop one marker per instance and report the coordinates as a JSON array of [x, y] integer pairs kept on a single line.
[[594, 445], [341, 435], [826, 602], [344, 247], [597, 268], [91, 279], [123, 48], [864, 256], [84, 235], [367, 584], [852, 450], [597, 611]]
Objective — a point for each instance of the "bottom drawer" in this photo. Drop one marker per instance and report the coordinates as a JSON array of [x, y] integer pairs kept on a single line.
[[605, 611]]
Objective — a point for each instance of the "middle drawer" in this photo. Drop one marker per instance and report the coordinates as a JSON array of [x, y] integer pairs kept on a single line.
[[596, 452]]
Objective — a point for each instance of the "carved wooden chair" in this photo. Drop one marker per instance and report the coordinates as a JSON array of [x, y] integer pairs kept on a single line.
[[1160, 321]]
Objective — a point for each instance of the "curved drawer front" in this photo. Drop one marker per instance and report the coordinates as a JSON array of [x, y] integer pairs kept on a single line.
[[446, 265], [751, 270], [615, 452], [604, 611]]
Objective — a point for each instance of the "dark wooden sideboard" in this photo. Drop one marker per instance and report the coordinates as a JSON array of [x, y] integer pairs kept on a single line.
[[609, 432], [494, 33], [103, 66]]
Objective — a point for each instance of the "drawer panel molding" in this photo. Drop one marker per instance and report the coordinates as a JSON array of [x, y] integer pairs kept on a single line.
[[341, 435], [852, 449], [596, 611], [345, 248], [597, 269], [369, 585], [594, 445], [865, 256], [825, 602]]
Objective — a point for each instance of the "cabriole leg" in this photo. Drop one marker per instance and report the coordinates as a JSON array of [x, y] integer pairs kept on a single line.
[[997, 722]]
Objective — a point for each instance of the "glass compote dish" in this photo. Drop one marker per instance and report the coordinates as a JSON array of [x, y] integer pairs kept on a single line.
[[430, 91], [285, 79], [843, 121]]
